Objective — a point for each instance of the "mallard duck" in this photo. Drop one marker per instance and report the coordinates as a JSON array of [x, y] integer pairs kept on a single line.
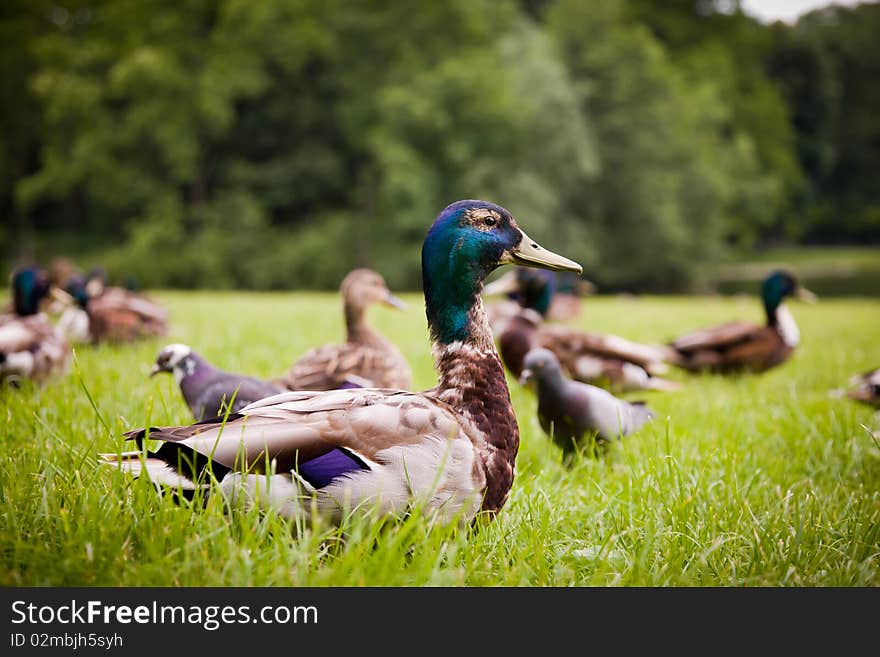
[[450, 449], [111, 314], [601, 359], [737, 346], [365, 359], [31, 347], [865, 388], [207, 390], [569, 411]]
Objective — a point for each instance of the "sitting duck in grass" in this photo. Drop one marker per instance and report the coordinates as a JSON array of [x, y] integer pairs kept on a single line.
[[744, 346], [449, 451], [110, 314], [365, 359], [571, 412], [31, 347]]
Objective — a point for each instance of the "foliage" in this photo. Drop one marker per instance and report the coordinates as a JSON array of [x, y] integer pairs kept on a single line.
[[222, 143], [825, 66]]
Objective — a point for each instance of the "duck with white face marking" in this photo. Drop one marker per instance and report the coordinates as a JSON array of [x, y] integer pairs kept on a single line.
[[571, 412], [450, 450], [208, 391], [31, 347], [366, 358], [744, 346]]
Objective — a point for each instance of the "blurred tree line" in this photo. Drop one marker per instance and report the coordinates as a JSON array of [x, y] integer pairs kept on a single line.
[[278, 144]]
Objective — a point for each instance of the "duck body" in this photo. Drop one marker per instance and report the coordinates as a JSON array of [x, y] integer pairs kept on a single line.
[[608, 360], [605, 360], [31, 347], [210, 392], [111, 314], [744, 346], [449, 450], [365, 359]]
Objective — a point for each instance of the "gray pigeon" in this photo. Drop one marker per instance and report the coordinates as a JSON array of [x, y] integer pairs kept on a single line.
[[569, 410], [206, 389]]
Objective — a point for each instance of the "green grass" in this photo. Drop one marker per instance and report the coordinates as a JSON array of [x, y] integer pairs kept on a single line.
[[758, 480]]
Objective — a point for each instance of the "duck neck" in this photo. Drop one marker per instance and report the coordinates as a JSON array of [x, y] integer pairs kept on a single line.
[[356, 328], [471, 380], [771, 310], [783, 322]]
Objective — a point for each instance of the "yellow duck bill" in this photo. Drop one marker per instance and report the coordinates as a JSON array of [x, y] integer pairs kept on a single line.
[[531, 254]]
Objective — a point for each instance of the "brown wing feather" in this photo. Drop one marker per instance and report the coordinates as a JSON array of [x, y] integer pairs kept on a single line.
[[331, 366], [569, 344], [297, 426], [121, 315], [714, 337], [762, 350]]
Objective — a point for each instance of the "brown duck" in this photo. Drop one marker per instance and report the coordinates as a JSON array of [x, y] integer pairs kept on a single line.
[[110, 314], [744, 346], [365, 359]]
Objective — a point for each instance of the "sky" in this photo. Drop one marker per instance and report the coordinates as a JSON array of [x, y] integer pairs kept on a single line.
[[787, 10]]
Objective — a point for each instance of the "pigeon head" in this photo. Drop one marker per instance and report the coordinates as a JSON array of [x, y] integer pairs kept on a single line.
[[540, 365], [174, 357]]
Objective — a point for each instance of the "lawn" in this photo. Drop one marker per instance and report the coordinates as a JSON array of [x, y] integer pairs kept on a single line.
[[757, 480]]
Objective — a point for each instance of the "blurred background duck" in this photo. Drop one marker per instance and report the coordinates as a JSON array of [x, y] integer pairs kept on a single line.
[[31, 347], [571, 412], [865, 388], [209, 392], [366, 359], [100, 313], [600, 359], [739, 345], [451, 449], [564, 291], [61, 270]]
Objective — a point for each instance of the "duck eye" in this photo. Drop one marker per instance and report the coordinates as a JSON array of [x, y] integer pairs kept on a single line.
[[491, 221]]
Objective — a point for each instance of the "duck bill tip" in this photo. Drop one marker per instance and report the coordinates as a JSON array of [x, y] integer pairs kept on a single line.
[[531, 254]]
